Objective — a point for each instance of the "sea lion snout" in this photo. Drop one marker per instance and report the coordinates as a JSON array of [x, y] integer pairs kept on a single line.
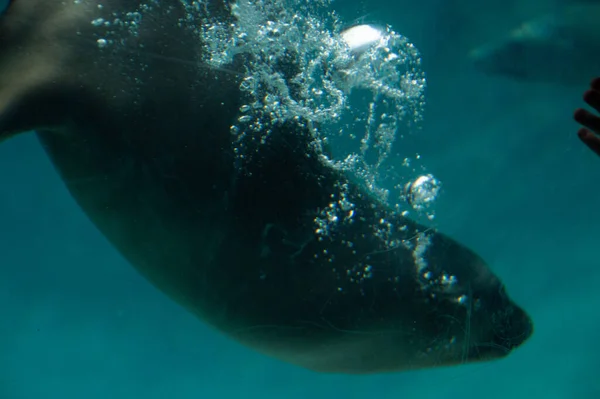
[[508, 333], [509, 327], [514, 330]]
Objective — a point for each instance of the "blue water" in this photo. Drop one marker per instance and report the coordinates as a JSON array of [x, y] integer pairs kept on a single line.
[[76, 321]]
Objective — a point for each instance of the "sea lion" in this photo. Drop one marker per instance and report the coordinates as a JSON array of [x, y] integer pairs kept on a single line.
[[562, 47], [140, 134]]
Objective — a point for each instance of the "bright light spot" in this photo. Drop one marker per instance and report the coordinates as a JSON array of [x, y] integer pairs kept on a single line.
[[360, 37]]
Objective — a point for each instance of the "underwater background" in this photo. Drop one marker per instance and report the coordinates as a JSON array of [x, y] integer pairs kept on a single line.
[[76, 321]]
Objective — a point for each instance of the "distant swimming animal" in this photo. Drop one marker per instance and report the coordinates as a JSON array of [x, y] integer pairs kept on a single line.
[[142, 141], [560, 48]]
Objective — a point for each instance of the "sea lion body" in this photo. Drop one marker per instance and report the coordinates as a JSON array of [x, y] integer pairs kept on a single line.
[[562, 47], [143, 144]]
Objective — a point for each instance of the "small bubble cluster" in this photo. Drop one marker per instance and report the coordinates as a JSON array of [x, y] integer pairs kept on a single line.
[[215, 34], [339, 211], [439, 284], [114, 26], [358, 273], [423, 240]]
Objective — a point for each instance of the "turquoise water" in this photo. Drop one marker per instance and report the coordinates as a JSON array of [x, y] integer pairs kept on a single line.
[[519, 188]]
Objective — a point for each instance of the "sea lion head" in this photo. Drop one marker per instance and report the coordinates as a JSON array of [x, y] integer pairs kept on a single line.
[[494, 323], [463, 309]]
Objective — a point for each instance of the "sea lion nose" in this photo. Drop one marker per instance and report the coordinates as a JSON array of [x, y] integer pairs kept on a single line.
[[513, 330]]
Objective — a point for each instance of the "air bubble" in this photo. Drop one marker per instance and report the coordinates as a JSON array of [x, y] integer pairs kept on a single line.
[[422, 192]]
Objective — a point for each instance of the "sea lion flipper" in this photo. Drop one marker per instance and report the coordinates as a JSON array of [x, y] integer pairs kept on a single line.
[[589, 134]]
